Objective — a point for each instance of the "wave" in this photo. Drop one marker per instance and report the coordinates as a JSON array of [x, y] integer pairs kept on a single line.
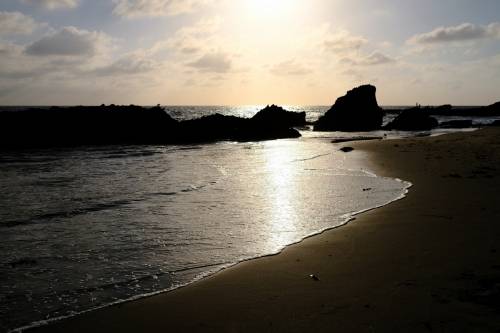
[[96, 207], [211, 269]]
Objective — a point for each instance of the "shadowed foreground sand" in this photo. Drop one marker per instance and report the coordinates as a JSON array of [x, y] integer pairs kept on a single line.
[[430, 262]]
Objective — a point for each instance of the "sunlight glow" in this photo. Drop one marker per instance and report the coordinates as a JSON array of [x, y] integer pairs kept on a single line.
[[269, 9], [282, 187]]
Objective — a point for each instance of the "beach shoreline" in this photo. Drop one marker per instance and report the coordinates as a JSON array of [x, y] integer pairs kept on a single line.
[[428, 262]]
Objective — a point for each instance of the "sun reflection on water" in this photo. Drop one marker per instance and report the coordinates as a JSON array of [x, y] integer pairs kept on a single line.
[[282, 188]]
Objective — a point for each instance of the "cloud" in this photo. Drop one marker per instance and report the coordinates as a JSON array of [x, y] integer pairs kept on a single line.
[[217, 62], [343, 42], [16, 23], [9, 49], [192, 40], [459, 33], [69, 41], [376, 58], [128, 65], [373, 59], [53, 4], [145, 8], [290, 68]]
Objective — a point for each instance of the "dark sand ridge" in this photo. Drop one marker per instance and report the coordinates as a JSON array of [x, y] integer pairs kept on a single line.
[[430, 262]]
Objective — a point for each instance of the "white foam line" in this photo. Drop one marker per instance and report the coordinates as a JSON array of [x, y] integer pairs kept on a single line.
[[348, 217]]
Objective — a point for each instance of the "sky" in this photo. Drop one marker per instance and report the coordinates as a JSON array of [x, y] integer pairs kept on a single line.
[[244, 52]]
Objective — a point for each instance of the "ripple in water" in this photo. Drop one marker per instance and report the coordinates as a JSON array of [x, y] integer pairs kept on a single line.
[[85, 228]]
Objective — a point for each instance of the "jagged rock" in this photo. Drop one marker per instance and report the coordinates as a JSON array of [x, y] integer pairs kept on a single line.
[[276, 116], [494, 108], [107, 125], [412, 120], [273, 122], [443, 109], [358, 110], [85, 125], [211, 128]]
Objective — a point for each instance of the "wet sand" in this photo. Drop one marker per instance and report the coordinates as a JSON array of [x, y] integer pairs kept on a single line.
[[429, 262]]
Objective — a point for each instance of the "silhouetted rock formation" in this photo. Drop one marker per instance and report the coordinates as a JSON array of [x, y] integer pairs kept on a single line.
[[412, 120], [84, 125], [276, 116], [273, 122], [108, 125], [494, 109], [356, 111], [443, 109], [448, 110], [210, 128]]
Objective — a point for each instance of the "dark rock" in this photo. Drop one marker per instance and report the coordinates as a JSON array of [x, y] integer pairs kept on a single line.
[[494, 108], [85, 125], [443, 109], [412, 120], [346, 149], [109, 125], [276, 116], [211, 128], [356, 111], [447, 110], [273, 122], [456, 124]]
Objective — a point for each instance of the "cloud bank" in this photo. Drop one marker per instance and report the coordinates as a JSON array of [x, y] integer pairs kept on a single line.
[[151, 8], [16, 23], [459, 33], [69, 41], [53, 4], [217, 62]]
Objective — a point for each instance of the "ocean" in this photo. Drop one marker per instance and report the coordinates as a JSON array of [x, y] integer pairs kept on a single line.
[[88, 227]]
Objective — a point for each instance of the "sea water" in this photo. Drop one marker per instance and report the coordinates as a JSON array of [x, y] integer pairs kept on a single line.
[[82, 228], [87, 227]]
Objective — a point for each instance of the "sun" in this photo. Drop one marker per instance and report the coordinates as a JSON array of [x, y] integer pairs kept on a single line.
[[266, 9]]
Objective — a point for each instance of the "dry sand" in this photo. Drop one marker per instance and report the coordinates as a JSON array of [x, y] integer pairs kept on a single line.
[[430, 262]]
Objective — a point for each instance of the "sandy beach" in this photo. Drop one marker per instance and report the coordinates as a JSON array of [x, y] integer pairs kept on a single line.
[[429, 262]]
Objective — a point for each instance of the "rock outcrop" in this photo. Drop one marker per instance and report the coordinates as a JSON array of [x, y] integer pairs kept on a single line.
[[358, 110], [273, 122], [492, 110], [412, 120], [109, 125], [85, 125], [276, 116]]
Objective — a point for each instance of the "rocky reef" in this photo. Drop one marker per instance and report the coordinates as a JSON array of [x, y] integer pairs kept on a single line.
[[272, 122], [358, 110], [108, 125], [412, 120]]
